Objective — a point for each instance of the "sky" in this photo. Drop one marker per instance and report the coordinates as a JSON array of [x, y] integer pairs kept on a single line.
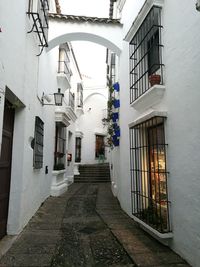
[[99, 8], [91, 60], [90, 57]]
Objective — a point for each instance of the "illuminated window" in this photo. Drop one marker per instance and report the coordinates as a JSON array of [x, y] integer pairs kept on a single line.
[[149, 174]]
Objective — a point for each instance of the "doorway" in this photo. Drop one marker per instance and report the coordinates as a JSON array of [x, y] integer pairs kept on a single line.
[[5, 165], [100, 147]]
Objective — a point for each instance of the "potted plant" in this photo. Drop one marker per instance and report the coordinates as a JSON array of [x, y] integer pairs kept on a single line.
[[154, 79], [59, 166]]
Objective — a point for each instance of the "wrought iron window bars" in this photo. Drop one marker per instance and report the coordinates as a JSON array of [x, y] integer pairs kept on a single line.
[[146, 54], [39, 15], [149, 189]]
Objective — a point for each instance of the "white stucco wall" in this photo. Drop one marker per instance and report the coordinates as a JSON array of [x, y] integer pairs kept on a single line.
[[21, 68], [28, 76], [90, 122]]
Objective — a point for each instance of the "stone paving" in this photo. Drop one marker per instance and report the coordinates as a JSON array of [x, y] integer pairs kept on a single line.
[[86, 227]]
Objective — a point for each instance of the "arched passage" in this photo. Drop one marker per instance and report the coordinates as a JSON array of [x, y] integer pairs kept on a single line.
[[106, 32], [83, 36]]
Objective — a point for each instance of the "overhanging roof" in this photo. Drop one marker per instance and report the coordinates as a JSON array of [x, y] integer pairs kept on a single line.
[[83, 18]]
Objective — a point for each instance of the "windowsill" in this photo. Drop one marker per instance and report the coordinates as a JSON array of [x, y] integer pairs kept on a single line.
[[152, 231], [149, 98], [56, 172]]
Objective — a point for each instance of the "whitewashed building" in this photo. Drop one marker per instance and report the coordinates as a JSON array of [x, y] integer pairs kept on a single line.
[[155, 172], [157, 182], [37, 138]]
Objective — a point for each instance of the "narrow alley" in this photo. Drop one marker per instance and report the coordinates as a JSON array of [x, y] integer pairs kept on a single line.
[[86, 227]]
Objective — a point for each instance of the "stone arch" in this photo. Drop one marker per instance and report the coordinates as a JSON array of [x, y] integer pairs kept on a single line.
[[83, 36], [92, 94]]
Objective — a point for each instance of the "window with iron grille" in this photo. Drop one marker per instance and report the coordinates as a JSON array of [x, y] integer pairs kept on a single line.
[[38, 144], [78, 150], [64, 61], [60, 147], [146, 54], [149, 189]]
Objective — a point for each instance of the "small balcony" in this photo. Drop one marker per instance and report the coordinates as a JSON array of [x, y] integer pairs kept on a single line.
[[64, 73], [69, 101]]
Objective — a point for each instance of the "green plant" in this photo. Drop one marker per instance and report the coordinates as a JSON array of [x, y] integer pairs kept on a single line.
[[110, 103], [152, 216], [111, 89], [59, 166]]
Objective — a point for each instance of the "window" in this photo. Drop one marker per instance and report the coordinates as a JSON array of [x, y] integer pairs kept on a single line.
[[79, 95], [64, 61], [153, 53], [60, 147], [149, 174], [100, 148], [38, 144], [78, 150], [146, 54], [113, 68]]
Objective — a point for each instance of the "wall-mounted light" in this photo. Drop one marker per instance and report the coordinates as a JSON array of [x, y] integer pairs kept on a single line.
[[58, 98]]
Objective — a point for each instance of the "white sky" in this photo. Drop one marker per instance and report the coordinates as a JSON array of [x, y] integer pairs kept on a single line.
[[99, 8], [90, 57]]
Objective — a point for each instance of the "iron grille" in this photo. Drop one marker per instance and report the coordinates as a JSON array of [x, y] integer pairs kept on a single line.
[[60, 145], [149, 190], [38, 144], [146, 54], [38, 11], [71, 100]]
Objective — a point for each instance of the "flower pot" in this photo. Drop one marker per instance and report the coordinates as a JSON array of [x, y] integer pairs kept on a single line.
[[117, 132], [116, 87], [116, 103], [154, 79], [115, 116], [115, 140]]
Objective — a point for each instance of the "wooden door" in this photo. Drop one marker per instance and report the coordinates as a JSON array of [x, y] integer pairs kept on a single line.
[[5, 165], [99, 146]]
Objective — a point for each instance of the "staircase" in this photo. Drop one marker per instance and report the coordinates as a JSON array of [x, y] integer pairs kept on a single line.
[[93, 173]]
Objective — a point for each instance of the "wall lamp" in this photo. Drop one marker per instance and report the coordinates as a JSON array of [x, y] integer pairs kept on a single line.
[[58, 98]]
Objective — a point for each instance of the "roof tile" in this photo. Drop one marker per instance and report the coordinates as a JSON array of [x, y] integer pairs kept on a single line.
[[83, 18]]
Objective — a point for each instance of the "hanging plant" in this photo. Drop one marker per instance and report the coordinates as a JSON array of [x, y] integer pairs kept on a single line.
[[111, 89], [110, 103]]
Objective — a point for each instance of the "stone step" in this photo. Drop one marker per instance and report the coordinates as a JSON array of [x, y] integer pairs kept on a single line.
[[90, 181], [80, 177], [93, 173]]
